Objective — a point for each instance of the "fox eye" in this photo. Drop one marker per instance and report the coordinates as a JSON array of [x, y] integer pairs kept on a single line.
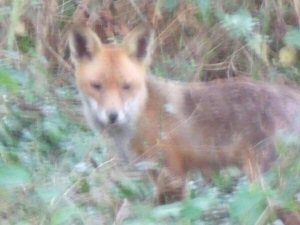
[[96, 86], [126, 86]]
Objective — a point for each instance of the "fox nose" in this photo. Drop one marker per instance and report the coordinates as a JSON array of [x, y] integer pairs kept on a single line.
[[113, 116]]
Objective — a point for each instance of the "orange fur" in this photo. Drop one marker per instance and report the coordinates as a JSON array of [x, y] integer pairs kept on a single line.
[[182, 126]]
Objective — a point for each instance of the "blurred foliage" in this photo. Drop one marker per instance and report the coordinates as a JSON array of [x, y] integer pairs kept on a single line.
[[54, 170], [292, 38], [256, 204]]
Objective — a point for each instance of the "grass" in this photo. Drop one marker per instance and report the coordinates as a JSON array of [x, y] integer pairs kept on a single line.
[[55, 170]]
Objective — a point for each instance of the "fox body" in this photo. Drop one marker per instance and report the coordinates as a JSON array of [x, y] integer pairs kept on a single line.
[[182, 126]]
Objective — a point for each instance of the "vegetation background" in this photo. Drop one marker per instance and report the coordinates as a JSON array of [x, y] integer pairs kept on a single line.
[[54, 170]]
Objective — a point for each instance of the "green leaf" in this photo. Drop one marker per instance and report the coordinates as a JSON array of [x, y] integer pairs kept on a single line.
[[193, 208], [14, 176], [65, 216], [169, 5], [247, 205], [49, 193], [225, 183], [292, 38], [83, 186], [53, 132], [259, 44], [190, 209], [167, 210], [23, 223], [25, 43], [7, 82], [205, 8], [128, 189], [240, 24]]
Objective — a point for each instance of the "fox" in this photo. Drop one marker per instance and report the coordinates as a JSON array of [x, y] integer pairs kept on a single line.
[[181, 126]]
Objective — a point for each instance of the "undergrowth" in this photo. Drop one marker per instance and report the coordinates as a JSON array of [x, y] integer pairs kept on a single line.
[[54, 170]]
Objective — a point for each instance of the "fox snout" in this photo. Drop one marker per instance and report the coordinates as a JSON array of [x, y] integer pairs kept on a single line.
[[105, 116], [113, 117]]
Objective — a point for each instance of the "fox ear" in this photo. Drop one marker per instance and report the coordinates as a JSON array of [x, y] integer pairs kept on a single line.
[[83, 44], [140, 44]]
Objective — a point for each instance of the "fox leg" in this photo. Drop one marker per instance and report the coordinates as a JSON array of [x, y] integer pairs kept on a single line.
[[170, 187], [170, 180]]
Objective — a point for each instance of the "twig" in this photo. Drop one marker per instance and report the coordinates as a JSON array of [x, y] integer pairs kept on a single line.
[[297, 9], [136, 8]]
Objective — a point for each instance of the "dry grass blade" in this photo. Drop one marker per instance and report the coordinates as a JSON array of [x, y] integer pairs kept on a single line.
[[123, 213]]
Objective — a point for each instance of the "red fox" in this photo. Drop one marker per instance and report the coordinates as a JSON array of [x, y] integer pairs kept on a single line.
[[182, 126]]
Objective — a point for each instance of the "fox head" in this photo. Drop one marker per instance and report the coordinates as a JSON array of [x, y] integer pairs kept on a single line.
[[112, 78]]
